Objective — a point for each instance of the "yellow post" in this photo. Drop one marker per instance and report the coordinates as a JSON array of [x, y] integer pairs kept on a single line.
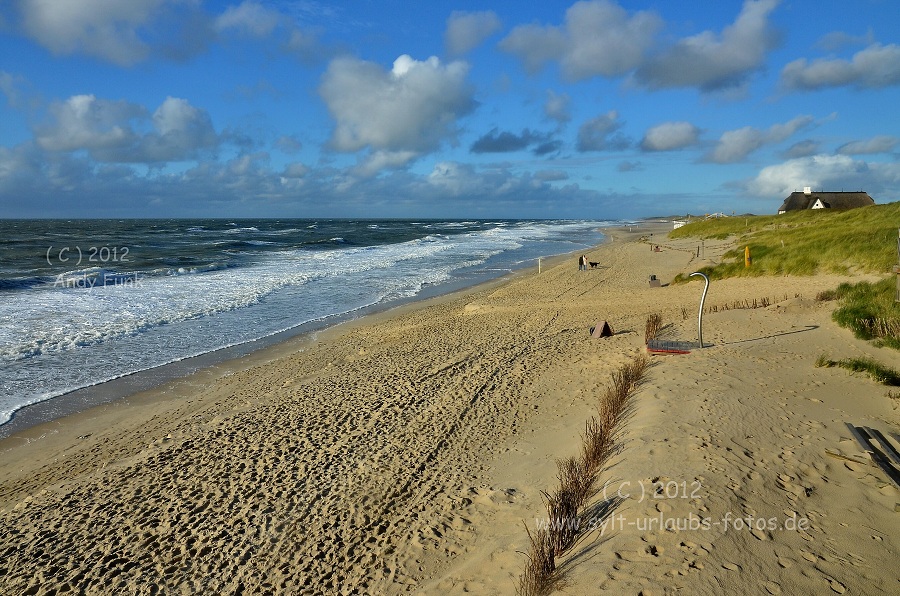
[[747, 259]]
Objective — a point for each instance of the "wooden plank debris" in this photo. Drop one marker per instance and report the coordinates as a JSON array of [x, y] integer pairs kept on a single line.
[[871, 446]]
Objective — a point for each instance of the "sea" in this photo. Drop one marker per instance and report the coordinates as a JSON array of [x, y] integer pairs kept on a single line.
[[83, 302]]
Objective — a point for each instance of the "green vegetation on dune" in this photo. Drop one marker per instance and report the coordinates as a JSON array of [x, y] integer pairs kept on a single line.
[[876, 370], [821, 241], [869, 310], [803, 242]]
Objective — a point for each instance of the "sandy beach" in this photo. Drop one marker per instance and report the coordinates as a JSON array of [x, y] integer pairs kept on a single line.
[[405, 452]]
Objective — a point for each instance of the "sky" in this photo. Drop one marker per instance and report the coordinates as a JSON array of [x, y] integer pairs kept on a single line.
[[299, 108]]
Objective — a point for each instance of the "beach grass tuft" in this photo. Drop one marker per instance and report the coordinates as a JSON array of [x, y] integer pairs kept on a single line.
[[541, 576], [652, 327], [870, 311], [577, 479], [879, 372]]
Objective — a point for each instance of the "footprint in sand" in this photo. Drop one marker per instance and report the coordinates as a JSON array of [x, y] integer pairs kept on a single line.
[[836, 585]]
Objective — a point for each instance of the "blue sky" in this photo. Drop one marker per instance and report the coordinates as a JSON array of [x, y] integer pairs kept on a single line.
[[596, 109]]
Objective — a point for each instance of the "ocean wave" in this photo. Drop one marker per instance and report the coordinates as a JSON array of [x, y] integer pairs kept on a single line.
[[176, 311]]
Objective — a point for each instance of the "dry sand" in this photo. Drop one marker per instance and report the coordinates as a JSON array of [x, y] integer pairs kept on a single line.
[[406, 452]]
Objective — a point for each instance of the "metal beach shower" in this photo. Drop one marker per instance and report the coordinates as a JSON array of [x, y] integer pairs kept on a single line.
[[702, 299]]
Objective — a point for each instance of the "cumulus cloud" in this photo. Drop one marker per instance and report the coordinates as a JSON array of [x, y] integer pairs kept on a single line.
[[557, 107], [875, 67], [832, 172], [506, 142], [111, 131], [111, 30], [128, 32], [248, 18], [601, 134], [467, 30], [11, 86], [598, 38], [735, 145], [878, 144], [551, 175], [181, 131], [288, 144], [838, 40], [305, 46], [19, 165], [85, 122], [670, 136], [803, 148], [252, 19], [713, 62], [548, 147], [408, 110], [295, 170], [456, 180]]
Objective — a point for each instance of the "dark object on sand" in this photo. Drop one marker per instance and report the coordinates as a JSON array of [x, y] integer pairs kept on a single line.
[[602, 329], [879, 450]]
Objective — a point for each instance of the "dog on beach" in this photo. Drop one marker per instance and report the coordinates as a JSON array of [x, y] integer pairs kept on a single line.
[[593, 265]]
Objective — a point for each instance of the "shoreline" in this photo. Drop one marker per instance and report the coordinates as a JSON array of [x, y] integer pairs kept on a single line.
[[402, 452], [128, 385]]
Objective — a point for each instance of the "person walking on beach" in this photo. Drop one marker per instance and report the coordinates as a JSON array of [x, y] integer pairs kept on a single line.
[[582, 263]]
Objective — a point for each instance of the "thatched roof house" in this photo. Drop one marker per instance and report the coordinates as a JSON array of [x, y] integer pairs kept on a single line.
[[825, 200]]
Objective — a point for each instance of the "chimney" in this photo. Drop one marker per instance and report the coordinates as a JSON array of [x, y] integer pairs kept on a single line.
[[807, 190]]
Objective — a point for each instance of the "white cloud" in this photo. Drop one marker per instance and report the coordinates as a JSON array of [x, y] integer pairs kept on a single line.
[[713, 62], [305, 46], [181, 131], [408, 110], [557, 107], [288, 144], [10, 86], [875, 67], [837, 40], [551, 175], [803, 148], [826, 172], [106, 29], [111, 131], [18, 165], [376, 161], [670, 136], [295, 170], [467, 30], [735, 145], [599, 38], [600, 134], [248, 18], [878, 144], [85, 122]]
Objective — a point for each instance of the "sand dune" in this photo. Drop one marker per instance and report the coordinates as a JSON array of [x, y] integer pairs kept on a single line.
[[405, 452]]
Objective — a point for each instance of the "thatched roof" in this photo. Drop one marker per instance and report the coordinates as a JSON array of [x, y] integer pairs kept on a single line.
[[831, 200]]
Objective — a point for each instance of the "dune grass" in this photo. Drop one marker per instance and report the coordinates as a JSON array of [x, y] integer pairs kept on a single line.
[[803, 242], [876, 370], [869, 310], [652, 327], [578, 478]]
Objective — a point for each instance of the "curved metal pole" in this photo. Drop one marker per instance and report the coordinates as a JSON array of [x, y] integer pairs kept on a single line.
[[702, 299]]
